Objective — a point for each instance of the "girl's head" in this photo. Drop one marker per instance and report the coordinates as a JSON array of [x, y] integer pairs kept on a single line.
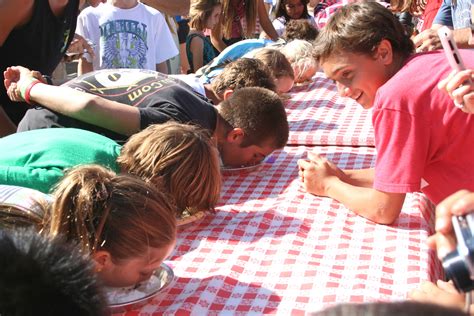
[[204, 14], [359, 28], [293, 9], [300, 55], [126, 225], [279, 66], [181, 158]]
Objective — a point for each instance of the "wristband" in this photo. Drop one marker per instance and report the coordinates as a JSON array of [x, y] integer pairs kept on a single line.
[[26, 89]]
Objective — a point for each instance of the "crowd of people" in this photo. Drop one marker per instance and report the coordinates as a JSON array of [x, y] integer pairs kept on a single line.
[[109, 161]]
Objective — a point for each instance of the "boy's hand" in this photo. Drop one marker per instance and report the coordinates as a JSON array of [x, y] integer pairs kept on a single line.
[[16, 77], [460, 89], [441, 293], [317, 173]]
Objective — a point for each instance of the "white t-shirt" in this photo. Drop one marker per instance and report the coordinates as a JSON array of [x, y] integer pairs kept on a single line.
[[126, 38]]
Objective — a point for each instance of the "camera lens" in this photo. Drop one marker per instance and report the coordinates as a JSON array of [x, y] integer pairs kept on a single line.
[[456, 270]]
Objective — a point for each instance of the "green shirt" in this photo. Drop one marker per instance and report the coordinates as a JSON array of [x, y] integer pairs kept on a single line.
[[37, 159]]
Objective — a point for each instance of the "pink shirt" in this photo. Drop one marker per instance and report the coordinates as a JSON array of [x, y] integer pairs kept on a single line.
[[423, 141]]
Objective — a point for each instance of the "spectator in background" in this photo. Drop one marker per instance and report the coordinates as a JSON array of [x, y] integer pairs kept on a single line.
[[35, 34], [126, 34], [288, 10]]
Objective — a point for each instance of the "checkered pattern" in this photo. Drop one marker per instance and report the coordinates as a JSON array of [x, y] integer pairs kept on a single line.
[[272, 248], [319, 116]]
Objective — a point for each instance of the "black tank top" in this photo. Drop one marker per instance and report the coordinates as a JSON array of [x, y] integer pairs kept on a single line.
[[38, 45]]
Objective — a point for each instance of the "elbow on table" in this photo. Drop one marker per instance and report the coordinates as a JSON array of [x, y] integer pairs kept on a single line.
[[385, 215]]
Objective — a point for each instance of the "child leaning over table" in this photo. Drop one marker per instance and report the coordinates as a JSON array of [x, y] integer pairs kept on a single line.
[[126, 34], [423, 141]]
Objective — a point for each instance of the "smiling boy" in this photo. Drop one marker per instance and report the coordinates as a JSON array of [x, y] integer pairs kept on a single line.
[[423, 142]]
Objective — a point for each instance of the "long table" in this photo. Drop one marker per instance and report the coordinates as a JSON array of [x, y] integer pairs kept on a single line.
[[271, 248]]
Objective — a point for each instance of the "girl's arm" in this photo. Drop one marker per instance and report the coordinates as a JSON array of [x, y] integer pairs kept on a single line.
[[265, 22], [197, 49], [216, 37], [118, 117]]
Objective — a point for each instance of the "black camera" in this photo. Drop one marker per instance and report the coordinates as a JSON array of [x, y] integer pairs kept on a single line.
[[459, 264]]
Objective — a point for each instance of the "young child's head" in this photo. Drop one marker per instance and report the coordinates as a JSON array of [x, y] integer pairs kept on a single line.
[[127, 226], [300, 54], [181, 158], [279, 66], [256, 125], [204, 14], [362, 53], [293, 9], [45, 276], [300, 29], [243, 72]]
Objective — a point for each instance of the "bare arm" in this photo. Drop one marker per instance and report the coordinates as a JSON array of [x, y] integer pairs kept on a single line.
[[118, 117], [170, 7], [83, 66], [162, 67], [197, 48], [320, 177], [216, 36], [265, 22], [13, 13], [462, 37]]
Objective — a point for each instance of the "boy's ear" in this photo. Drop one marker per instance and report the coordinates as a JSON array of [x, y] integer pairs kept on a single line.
[[102, 259], [236, 135], [227, 93], [384, 52]]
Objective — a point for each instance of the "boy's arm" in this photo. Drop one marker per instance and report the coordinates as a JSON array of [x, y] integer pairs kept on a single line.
[[265, 22], [162, 67], [118, 117], [352, 188]]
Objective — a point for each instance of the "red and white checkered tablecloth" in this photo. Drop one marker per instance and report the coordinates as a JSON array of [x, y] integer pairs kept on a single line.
[[271, 248], [317, 115]]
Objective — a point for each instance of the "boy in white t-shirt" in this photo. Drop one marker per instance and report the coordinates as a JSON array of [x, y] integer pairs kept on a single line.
[[125, 34]]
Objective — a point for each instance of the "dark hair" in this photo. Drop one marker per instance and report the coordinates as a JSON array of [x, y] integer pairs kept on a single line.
[[359, 28], [43, 276], [281, 11], [243, 72], [300, 29], [260, 113], [405, 308]]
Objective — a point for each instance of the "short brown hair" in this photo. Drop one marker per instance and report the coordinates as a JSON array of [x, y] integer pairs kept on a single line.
[[200, 11], [260, 113], [118, 213], [180, 157], [300, 29], [276, 61], [359, 28], [243, 72]]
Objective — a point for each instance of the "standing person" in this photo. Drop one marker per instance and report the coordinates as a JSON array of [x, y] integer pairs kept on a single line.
[[421, 137], [290, 10], [230, 29], [35, 34], [204, 14], [126, 34]]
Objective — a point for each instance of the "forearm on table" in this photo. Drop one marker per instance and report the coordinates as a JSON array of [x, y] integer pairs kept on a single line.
[[170, 7], [360, 177], [379, 207], [89, 108]]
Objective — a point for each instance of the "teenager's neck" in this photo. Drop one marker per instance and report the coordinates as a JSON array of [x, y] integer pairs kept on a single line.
[[210, 94], [123, 4], [220, 133], [397, 64]]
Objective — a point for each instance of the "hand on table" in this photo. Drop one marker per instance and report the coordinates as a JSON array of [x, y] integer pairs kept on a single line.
[[16, 77], [427, 40], [460, 89], [441, 293], [316, 173]]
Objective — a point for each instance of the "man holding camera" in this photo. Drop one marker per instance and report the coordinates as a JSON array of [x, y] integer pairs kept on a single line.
[[444, 242]]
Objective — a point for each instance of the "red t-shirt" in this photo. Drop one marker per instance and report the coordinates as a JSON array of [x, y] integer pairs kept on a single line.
[[423, 141]]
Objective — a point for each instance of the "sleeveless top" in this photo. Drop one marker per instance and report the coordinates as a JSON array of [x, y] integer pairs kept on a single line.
[[38, 45], [208, 50]]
